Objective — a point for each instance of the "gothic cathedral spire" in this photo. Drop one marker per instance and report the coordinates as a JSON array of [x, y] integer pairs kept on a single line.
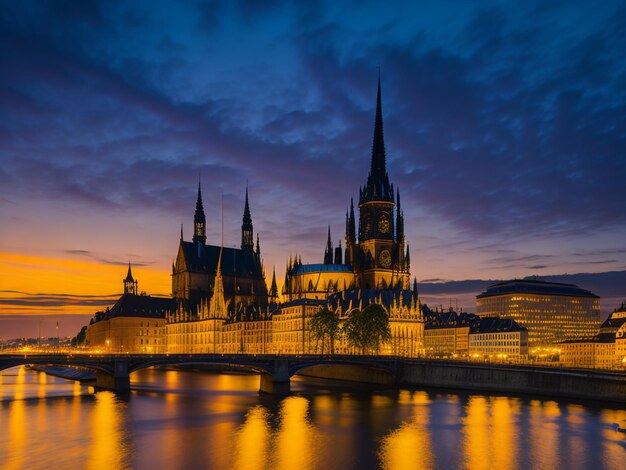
[[274, 287], [247, 231], [199, 220], [328, 253], [378, 187]]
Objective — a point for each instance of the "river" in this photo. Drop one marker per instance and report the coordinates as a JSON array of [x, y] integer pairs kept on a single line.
[[188, 420]]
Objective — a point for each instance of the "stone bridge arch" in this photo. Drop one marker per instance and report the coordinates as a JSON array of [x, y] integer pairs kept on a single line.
[[347, 370]]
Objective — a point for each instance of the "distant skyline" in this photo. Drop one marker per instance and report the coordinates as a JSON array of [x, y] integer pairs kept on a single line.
[[505, 129]]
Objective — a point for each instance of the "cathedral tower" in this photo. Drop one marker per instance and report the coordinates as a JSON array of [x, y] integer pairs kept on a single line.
[[247, 231], [378, 257], [199, 220]]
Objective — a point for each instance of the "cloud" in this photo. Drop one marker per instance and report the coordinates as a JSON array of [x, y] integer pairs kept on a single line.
[[100, 259], [503, 127]]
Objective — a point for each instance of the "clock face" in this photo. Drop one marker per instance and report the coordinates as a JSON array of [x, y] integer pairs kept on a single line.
[[383, 225], [384, 258]]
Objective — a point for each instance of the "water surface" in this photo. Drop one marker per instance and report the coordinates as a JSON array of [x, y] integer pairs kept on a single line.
[[186, 420]]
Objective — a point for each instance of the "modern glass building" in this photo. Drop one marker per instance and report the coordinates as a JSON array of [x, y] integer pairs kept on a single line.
[[552, 312]]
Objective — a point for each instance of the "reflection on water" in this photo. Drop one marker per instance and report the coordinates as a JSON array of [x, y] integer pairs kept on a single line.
[[176, 419]]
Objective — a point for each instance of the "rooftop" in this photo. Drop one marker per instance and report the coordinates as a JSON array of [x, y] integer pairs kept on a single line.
[[533, 286], [131, 305]]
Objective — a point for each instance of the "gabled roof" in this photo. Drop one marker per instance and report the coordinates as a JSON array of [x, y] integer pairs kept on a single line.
[[202, 258]]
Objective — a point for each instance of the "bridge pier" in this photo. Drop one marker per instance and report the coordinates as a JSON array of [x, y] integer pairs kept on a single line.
[[118, 381], [279, 382]]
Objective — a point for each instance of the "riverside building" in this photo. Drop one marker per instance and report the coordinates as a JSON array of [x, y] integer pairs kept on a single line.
[[135, 324], [552, 312], [604, 350], [498, 338]]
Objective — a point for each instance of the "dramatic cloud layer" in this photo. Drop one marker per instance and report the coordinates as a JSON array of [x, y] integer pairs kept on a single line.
[[505, 125]]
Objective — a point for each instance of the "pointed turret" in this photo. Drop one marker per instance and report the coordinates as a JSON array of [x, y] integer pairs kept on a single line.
[[407, 257], [328, 253], [399, 221], [274, 287], [338, 254], [199, 220], [258, 246], [378, 187], [217, 306], [130, 285], [351, 224], [247, 232]]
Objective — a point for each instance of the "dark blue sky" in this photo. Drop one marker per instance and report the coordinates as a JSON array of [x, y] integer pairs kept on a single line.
[[505, 126]]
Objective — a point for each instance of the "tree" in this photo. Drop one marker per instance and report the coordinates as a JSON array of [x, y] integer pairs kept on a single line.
[[325, 327], [367, 328], [79, 339]]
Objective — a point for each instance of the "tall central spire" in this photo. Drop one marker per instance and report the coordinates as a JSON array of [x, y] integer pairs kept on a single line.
[[247, 240], [378, 187], [199, 220]]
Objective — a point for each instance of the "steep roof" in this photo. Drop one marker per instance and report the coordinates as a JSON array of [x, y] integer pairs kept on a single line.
[[129, 275], [202, 258], [131, 305], [497, 325]]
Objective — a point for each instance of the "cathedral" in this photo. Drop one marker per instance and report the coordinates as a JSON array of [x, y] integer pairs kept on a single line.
[[376, 259], [198, 265], [221, 302]]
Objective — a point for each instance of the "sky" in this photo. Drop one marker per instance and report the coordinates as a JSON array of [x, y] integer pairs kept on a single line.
[[505, 130]]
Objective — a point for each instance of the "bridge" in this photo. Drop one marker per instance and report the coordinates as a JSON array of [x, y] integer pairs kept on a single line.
[[113, 372]]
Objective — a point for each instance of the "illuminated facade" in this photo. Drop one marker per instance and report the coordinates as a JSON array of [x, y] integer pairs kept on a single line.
[[291, 329], [597, 352], [498, 338], [135, 324], [605, 350], [447, 334], [551, 312]]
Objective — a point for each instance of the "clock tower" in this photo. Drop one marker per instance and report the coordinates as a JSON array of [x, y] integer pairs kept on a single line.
[[378, 258]]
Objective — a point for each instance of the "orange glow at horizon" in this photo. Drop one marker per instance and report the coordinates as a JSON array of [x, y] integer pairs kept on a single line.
[[23, 276]]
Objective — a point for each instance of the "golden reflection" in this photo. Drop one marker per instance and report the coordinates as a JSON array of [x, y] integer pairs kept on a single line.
[[77, 389], [20, 381], [296, 443], [108, 449], [504, 412], [41, 389], [172, 378], [252, 441], [409, 447], [544, 434], [17, 436], [476, 444], [613, 445]]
